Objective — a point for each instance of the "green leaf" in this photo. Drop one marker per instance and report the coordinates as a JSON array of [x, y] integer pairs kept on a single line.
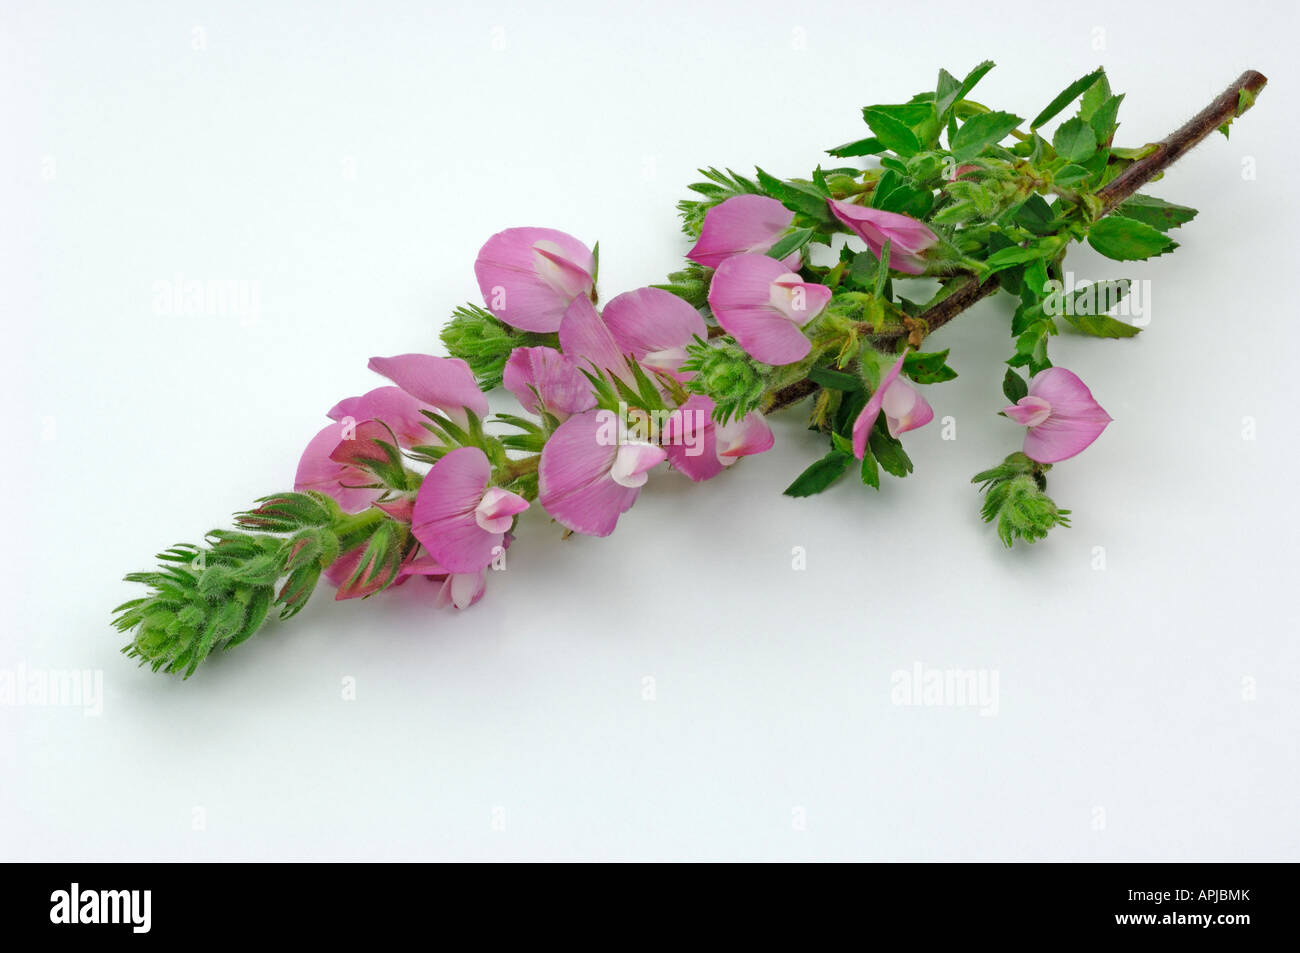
[[1014, 386], [1127, 239], [791, 243], [1070, 175], [944, 104], [796, 196], [820, 475], [889, 451], [892, 132], [1074, 140], [1065, 97], [835, 380], [980, 131], [931, 368], [870, 469], [862, 147], [1156, 212], [1015, 255], [1035, 215]]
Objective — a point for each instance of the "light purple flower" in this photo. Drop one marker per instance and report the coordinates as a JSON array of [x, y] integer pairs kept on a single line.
[[1061, 414], [458, 518], [902, 404], [528, 276], [908, 237], [701, 448], [586, 481], [319, 471], [742, 224], [394, 406], [764, 306]]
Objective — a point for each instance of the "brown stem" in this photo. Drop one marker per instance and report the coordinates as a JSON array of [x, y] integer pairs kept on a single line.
[[1226, 107]]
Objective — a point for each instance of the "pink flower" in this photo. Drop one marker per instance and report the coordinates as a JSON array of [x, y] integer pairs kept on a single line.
[[528, 276], [458, 589], [587, 480], [319, 471], [903, 406], [542, 378], [741, 224], [1061, 414], [701, 448], [398, 409], [764, 305], [445, 383], [651, 325], [458, 518], [908, 238]]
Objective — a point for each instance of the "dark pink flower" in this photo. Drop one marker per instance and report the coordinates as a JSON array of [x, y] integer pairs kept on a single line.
[[908, 238]]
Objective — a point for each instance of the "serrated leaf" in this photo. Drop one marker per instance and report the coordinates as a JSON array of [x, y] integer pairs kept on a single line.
[[1074, 140], [892, 132], [1014, 386], [1156, 212], [980, 131], [1065, 97], [1127, 239], [820, 475]]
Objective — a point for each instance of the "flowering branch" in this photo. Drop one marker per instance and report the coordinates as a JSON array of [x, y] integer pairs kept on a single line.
[[418, 479]]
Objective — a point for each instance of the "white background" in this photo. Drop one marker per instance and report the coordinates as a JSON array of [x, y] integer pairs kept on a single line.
[[351, 158]]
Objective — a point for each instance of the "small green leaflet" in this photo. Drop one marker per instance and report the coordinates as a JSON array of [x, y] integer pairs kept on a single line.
[[1156, 212], [1014, 386], [1087, 308], [796, 196], [862, 147], [1074, 140], [820, 475], [928, 368], [1065, 97], [943, 104], [1127, 239], [790, 243], [892, 132], [980, 131]]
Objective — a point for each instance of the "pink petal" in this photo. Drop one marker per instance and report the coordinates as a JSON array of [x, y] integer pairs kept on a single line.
[[543, 378], [743, 223], [1075, 421], [575, 487], [799, 301], [462, 589], [1029, 411], [316, 471], [690, 439], [587, 342], [497, 510], [867, 418], [445, 519], [633, 463], [445, 382], [904, 408], [651, 320], [363, 446], [741, 297], [393, 406], [743, 438], [528, 276], [908, 236]]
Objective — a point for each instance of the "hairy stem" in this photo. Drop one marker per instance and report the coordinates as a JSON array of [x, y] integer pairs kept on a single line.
[[1232, 102]]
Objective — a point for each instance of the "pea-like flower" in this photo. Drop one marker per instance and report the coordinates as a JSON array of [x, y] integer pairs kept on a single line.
[[901, 403], [742, 224], [908, 238], [528, 276], [1061, 414], [764, 306]]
